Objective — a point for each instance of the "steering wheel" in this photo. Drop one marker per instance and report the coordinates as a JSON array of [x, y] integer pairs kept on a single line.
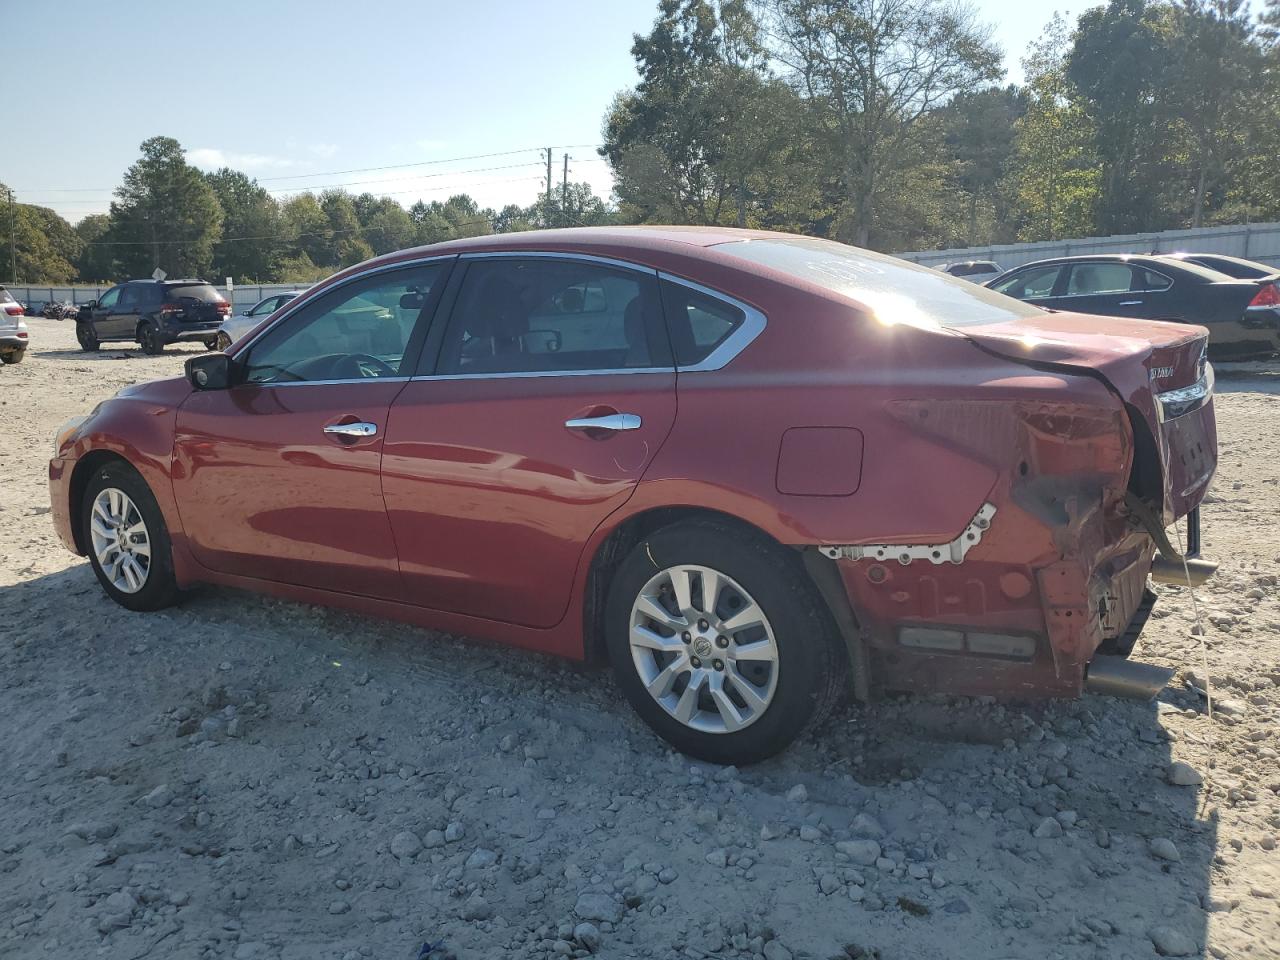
[[356, 366]]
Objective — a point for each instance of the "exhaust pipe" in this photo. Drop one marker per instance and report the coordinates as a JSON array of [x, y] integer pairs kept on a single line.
[[1118, 677], [1170, 570]]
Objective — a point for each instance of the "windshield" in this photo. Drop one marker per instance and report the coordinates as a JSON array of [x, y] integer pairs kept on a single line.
[[896, 291]]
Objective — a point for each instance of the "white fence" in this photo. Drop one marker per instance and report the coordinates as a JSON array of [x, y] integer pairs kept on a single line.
[[241, 296], [1256, 241]]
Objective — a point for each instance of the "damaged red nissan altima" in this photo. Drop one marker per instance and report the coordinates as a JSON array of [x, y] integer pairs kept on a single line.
[[753, 470]]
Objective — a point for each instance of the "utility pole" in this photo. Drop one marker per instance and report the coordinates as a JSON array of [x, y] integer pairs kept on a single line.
[[13, 242], [564, 187], [547, 213]]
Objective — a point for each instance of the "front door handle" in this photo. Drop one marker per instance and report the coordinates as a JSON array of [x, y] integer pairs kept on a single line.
[[1130, 303], [613, 422], [352, 429]]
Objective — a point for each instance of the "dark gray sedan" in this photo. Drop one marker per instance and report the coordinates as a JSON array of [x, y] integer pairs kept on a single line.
[[1243, 315]]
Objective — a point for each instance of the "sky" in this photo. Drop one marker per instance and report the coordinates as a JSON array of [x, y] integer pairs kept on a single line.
[[415, 100]]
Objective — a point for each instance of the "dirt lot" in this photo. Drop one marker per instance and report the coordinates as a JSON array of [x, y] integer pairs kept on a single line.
[[240, 777]]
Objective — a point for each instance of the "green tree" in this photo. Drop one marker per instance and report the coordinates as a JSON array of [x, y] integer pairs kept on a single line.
[[305, 228], [871, 71], [165, 214], [345, 243], [387, 225], [1219, 67], [1118, 66], [96, 263], [1055, 171], [250, 227], [704, 136], [977, 134], [46, 245]]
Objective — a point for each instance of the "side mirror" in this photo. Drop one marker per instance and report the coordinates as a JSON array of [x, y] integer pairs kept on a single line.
[[210, 371], [88, 304]]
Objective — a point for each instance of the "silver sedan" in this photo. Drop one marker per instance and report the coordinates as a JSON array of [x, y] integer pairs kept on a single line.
[[233, 328]]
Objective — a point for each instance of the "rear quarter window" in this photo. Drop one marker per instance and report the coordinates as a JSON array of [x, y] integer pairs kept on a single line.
[[895, 291]]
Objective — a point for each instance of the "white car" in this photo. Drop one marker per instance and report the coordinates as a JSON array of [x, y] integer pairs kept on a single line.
[[233, 328], [13, 329]]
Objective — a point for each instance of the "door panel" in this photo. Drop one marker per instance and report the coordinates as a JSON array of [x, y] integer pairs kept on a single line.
[[492, 493], [492, 498], [265, 492], [278, 477]]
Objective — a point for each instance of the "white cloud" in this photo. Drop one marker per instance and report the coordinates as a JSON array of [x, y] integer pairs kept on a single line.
[[211, 158], [323, 150]]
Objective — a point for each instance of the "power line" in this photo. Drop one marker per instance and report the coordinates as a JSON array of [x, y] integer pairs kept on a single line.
[[335, 173]]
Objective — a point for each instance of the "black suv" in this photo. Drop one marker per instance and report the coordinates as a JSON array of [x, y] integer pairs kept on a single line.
[[153, 313]]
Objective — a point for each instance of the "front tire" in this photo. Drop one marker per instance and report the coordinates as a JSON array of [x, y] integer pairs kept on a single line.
[[87, 338], [721, 642], [222, 342], [128, 542], [149, 340]]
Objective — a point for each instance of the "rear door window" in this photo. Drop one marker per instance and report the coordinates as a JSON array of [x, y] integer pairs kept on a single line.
[[552, 315], [1093, 279]]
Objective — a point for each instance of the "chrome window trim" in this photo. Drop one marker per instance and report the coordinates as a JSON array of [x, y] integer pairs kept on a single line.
[[319, 383], [301, 301], [528, 374], [1111, 293], [557, 255], [753, 324]]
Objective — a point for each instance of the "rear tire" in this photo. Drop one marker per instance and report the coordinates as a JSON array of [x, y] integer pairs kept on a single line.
[[88, 339], [127, 540], [222, 342], [149, 340], [211, 344], [14, 356], [749, 700]]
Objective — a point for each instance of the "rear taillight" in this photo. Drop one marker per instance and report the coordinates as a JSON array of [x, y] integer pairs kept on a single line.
[[13, 310], [1268, 296], [22, 334], [224, 309]]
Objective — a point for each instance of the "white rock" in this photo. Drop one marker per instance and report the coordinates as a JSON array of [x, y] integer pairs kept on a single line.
[[598, 906], [588, 935], [865, 852], [797, 794], [773, 950], [405, 845], [1048, 829], [161, 796], [1163, 848], [1172, 943], [481, 858], [865, 825], [1183, 774]]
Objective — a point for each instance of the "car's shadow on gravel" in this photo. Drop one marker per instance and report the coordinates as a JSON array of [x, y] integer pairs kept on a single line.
[[293, 743], [111, 352]]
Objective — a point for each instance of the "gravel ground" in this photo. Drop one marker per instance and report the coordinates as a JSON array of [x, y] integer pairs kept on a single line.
[[245, 778]]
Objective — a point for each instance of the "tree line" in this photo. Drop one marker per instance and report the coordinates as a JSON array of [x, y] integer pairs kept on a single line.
[[191, 223], [885, 123]]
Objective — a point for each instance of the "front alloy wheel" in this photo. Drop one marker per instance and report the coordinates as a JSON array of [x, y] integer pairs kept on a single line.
[[121, 542], [704, 649], [125, 536]]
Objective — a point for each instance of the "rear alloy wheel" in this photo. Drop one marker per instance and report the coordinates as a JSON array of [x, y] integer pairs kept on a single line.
[[720, 642], [149, 339], [127, 540], [222, 341], [88, 339]]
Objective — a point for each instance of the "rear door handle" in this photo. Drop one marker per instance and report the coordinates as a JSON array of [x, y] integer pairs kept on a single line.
[[614, 422], [1130, 303], [352, 429]]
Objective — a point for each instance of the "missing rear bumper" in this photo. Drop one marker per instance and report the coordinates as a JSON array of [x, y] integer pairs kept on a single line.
[[952, 552]]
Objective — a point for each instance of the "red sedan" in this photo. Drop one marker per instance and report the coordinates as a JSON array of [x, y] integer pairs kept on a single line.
[[754, 470]]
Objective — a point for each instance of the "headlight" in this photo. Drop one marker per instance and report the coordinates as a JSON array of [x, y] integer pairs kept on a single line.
[[65, 431]]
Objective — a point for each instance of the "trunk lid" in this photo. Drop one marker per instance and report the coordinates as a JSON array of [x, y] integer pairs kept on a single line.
[[1158, 369]]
